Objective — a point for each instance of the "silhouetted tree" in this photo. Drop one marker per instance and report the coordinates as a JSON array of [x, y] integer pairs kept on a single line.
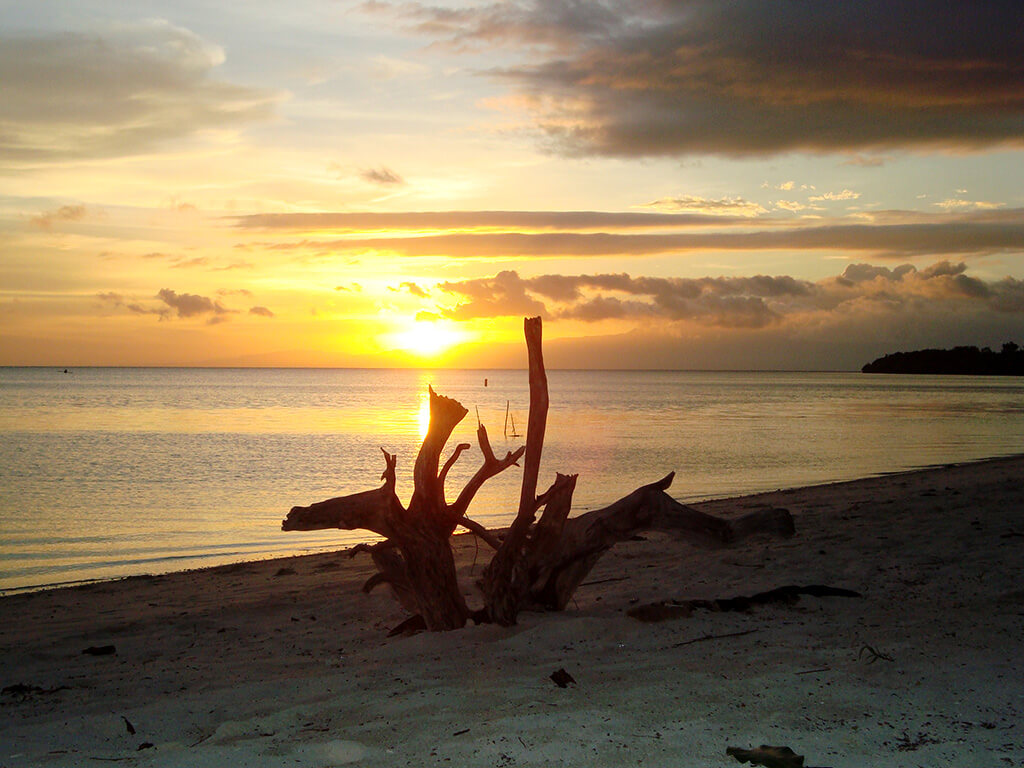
[[959, 360]]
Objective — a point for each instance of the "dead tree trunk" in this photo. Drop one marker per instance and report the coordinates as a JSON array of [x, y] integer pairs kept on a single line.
[[538, 563], [416, 558], [505, 582], [558, 569]]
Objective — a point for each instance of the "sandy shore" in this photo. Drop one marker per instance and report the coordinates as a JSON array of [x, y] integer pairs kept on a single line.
[[285, 662]]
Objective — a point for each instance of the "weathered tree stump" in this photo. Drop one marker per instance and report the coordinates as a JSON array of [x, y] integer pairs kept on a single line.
[[538, 564]]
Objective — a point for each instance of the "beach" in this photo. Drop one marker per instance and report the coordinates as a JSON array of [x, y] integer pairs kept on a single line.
[[287, 662]]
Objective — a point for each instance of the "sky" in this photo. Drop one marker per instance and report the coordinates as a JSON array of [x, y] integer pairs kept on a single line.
[[671, 185]]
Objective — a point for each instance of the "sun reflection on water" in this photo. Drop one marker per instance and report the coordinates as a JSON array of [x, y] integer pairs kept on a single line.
[[423, 414]]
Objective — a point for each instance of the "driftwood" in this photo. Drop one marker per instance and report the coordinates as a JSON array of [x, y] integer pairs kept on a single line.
[[538, 563], [666, 610], [769, 757]]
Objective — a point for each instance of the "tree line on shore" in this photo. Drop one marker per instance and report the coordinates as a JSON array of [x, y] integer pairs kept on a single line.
[[1009, 361]]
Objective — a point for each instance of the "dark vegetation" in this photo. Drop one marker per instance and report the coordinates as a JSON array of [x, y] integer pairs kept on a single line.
[[959, 360]]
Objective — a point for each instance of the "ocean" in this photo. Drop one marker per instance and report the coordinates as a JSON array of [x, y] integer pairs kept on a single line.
[[109, 472]]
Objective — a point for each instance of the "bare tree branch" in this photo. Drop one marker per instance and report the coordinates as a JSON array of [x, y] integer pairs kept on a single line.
[[375, 510], [482, 533], [451, 460], [491, 467]]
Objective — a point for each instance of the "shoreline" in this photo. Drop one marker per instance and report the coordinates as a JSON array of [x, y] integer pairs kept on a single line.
[[285, 660], [326, 549]]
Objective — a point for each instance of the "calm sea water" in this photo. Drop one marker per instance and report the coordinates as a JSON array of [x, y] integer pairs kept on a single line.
[[111, 472]]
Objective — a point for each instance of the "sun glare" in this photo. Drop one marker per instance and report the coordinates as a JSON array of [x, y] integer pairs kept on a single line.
[[423, 415], [426, 339]]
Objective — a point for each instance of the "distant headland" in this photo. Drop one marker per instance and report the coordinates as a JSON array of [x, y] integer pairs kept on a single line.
[[960, 360]]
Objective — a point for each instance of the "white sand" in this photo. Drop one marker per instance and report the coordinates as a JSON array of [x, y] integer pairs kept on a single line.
[[239, 666]]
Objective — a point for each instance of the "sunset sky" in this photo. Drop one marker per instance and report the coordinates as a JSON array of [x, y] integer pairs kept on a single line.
[[725, 185]]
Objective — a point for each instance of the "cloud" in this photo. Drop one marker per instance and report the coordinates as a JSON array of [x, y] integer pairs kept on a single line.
[[732, 302], [197, 261], [1008, 295], [261, 311], [966, 205], [502, 295], [846, 194], [187, 305], [113, 299], [558, 24], [382, 175], [866, 161], [859, 273], [890, 234], [794, 206], [489, 220], [412, 288], [898, 240], [723, 205], [141, 309], [868, 291], [752, 77], [47, 219], [122, 92]]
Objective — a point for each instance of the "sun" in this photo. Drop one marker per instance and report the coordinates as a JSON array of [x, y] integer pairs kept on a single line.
[[426, 339]]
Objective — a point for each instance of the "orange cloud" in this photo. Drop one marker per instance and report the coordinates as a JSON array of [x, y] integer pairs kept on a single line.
[[47, 219], [524, 234], [729, 302]]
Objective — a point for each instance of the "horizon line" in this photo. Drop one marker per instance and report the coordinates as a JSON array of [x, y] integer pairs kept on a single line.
[[71, 368]]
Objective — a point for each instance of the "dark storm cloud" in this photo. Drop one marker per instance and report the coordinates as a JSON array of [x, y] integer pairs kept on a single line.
[[750, 77], [75, 96]]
